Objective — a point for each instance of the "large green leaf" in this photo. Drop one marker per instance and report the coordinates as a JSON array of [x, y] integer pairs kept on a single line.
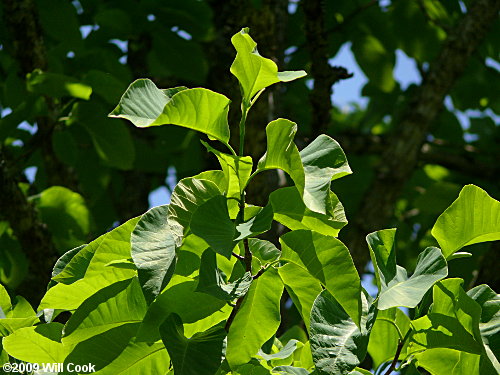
[[199, 109], [66, 215], [112, 306], [282, 153], [259, 222], [253, 71], [180, 297], [40, 344], [489, 325], [212, 223], [101, 349], [211, 280], [92, 269], [396, 289], [263, 250], [451, 331], [337, 344], [453, 323], [139, 358], [237, 170], [257, 319], [197, 355], [390, 326], [302, 288], [93, 258], [474, 217], [289, 209], [324, 161], [188, 195], [328, 260], [14, 316], [153, 251]]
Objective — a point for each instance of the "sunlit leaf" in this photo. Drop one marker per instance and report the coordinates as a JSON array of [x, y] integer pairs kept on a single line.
[[57, 85], [188, 195], [40, 344], [115, 305], [290, 210], [328, 260], [396, 289], [474, 217], [302, 287], [199, 109], [324, 161], [257, 319], [253, 71]]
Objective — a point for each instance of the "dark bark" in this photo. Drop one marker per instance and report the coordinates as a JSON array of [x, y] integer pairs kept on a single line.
[[401, 156], [32, 234], [324, 75]]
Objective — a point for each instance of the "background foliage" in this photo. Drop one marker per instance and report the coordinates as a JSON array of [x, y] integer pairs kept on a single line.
[[64, 65]]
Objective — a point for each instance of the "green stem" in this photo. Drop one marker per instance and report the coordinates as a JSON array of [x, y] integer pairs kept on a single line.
[[244, 111], [398, 352]]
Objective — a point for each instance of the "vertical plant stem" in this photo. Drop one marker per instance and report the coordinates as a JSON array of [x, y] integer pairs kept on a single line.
[[394, 362], [244, 111]]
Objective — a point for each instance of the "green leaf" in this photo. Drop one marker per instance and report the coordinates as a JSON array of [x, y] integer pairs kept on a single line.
[[93, 258], [212, 223], [138, 358], [489, 325], [257, 224], [263, 250], [328, 260], [57, 85], [396, 289], [153, 251], [257, 320], [253, 71], [453, 312], [115, 305], [211, 280], [449, 361], [197, 355], [64, 259], [474, 217], [180, 297], [390, 326], [12, 318], [290, 370], [337, 344], [40, 344], [102, 349], [199, 109], [188, 195], [237, 170], [282, 153], [285, 352], [453, 324], [290, 210], [91, 270], [302, 288], [324, 161], [66, 215]]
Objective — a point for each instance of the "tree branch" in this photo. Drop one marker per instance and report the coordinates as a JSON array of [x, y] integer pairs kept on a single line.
[[325, 76], [401, 156], [32, 234]]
